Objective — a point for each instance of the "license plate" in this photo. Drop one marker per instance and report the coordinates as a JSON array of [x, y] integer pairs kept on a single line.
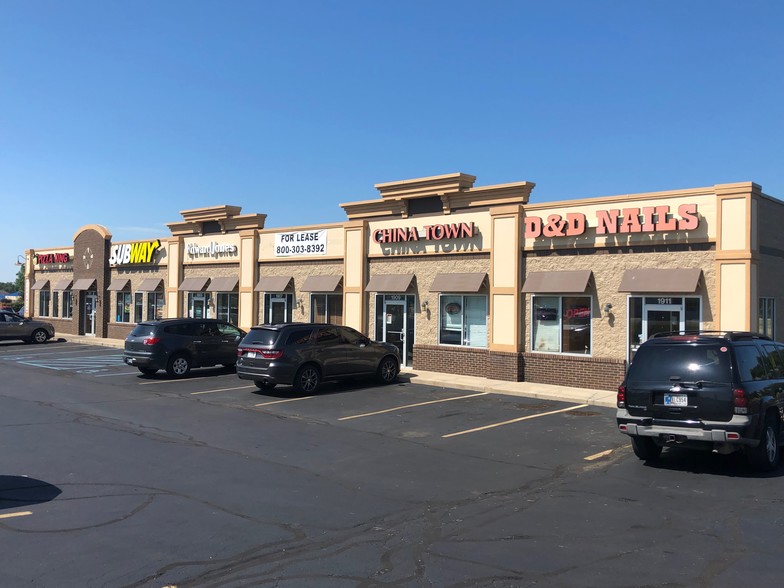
[[676, 400], [251, 354]]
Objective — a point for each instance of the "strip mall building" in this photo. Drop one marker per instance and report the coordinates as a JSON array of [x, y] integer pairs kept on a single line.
[[465, 279]]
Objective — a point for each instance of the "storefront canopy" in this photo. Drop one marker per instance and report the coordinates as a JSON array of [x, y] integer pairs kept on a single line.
[[395, 283], [273, 284], [660, 280], [565, 282], [223, 284], [321, 283], [193, 284], [83, 284], [458, 282], [149, 285], [118, 284], [40, 284], [62, 284]]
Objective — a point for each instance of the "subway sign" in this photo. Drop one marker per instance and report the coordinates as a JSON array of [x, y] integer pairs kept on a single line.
[[140, 252]]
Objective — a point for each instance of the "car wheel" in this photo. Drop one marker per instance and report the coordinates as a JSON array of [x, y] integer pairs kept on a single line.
[[263, 385], [39, 336], [645, 448], [147, 371], [387, 370], [307, 379], [765, 456], [178, 366]]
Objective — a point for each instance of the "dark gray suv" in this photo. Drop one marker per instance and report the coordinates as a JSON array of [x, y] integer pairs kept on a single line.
[[177, 345], [13, 326], [705, 390], [305, 354]]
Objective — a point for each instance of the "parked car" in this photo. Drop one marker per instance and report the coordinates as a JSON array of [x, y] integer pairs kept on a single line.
[[177, 345], [13, 326], [705, 390], [306, 354]]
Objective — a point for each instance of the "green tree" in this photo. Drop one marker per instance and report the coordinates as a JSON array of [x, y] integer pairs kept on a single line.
[[20, 280]]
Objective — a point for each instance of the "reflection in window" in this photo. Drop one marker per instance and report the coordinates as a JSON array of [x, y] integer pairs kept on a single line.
[[67, 304], [462, 320], [228, 304], [123, 307], [138, 305], [561, 324], [766, 317], [43, 302], [154, 306], [326, 308]]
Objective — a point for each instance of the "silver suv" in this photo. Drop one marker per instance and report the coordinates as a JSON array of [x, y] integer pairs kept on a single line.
[[13, 326], [305, 354]]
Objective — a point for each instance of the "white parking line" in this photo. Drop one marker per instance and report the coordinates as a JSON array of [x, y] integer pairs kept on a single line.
[[11, 515], [282, 401], [359, 416], [175, 380], [118, 374], [517, 420], [27, 354], [221, 390]]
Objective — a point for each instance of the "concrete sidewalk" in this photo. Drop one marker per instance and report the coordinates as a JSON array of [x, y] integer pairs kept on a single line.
[[527, 389]]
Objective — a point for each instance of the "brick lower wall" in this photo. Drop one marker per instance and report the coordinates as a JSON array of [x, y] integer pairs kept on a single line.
[[119, 330], [463, 361], [579, 372]]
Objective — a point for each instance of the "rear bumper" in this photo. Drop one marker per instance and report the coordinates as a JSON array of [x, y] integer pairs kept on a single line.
[[145, 360], [273, 375], [737, 431]]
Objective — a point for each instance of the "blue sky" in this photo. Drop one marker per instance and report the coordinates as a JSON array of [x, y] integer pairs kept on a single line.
[[125, 113]]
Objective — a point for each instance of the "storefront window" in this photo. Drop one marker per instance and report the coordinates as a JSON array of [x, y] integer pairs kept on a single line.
[[562, 324], [766, 317], [43, 302], [67, 304], [123, 307], [463, 320], [55, 303], [154, 306], [326, 308], [138, 306], [228, 303]]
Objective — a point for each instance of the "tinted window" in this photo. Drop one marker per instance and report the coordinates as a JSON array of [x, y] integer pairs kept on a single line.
[[298, 337], [261, 336], [327, 337], [143, 331], [775, 365], [750, 363], [351, 336], [688, 362], [227, 329], [186, 329]]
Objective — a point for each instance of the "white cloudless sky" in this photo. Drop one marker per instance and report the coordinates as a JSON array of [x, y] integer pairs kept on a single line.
[[123, 113]]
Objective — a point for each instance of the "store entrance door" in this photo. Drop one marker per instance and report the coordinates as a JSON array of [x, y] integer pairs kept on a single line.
[[395, 326], [278, 309], [88, 312], [662, 318], [197, 305]]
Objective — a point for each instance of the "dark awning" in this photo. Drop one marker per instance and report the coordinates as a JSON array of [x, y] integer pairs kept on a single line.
[[321, 283], [149, 285], [273, 284], [118, 284], [390, 283], [458, 282], [62, 284], [193, 284], [660, 280], [223, 284], [40, 284], [566, 282], [83, 284]]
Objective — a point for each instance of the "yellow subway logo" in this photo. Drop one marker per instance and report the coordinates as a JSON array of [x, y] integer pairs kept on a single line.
[[133, 253]]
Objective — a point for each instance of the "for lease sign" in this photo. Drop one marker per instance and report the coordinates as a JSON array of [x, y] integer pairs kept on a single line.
[[301, 243]]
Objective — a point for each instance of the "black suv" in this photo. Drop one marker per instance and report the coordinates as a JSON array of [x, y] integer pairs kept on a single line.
[[305, 354], [177, 345], [705, 390]]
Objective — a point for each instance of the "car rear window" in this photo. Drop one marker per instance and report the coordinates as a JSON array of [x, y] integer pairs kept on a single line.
[[143, 331], [690, 363], [261, 336]]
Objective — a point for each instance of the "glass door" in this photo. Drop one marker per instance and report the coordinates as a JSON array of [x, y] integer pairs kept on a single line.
[[88, 312], [197, 305], [662, 318], [278, 310], [395, 326]]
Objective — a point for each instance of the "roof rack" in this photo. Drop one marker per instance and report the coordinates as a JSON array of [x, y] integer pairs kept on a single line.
[[729, 335]]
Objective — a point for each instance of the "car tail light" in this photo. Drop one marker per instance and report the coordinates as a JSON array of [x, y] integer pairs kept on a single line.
[[740, 401], [621, 398], [151, 340], [265, 353]]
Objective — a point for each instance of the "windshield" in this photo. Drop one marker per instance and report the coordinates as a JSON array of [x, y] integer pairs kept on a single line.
[[143, 331], [690, 363]]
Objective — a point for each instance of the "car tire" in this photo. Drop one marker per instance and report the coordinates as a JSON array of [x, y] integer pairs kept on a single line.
[[39, 336], [179, 365], [387, 370], [645, 448], [147, 371], [262, 385], [308, 379], [765, 456]]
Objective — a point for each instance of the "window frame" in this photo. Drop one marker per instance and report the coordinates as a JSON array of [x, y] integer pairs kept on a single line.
[[464, 326], [122, 306], [766, 316], [44, 299], [560, 318]]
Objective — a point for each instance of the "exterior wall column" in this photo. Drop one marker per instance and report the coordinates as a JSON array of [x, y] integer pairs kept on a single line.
[[504, 360], [355, 275], [174, 277], [249, 270], [29, 272], [737, 255]]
